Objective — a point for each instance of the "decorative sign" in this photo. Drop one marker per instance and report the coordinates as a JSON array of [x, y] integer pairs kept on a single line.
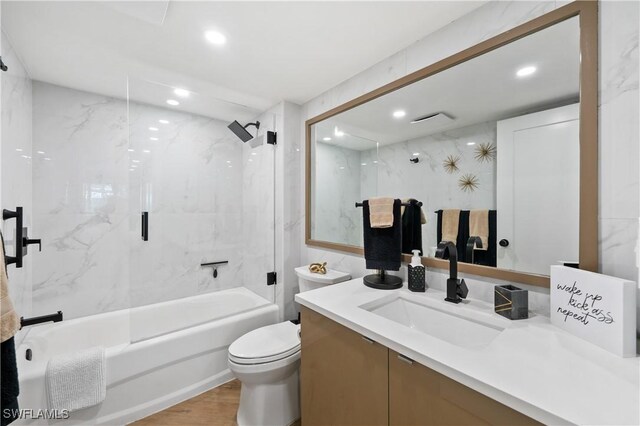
[[596, 308]]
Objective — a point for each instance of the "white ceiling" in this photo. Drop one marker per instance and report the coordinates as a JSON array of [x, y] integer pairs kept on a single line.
[[275, 51], [483, 89]]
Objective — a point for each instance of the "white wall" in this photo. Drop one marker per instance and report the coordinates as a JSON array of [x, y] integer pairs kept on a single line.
[[619, 115]]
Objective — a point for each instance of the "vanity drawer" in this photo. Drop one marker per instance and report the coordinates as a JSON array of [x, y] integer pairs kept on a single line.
[[343, 375], [421, 396]]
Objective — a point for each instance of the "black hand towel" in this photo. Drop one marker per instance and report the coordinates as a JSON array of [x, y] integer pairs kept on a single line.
[[412, 228], [9, 379], [383, 246]]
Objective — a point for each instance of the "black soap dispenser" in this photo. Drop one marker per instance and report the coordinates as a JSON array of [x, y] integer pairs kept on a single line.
[[417, 281]]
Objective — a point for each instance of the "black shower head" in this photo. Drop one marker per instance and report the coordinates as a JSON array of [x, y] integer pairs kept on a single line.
[[241, 131]]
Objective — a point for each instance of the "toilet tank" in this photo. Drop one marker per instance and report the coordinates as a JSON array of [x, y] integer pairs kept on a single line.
[[310, 281]]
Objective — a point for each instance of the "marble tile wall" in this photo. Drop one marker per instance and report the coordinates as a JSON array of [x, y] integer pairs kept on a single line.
[[619, 115], [274, 243], [81, 202], [189, 177], [338, 187], [288, 190], [17, 158], [89, 193]]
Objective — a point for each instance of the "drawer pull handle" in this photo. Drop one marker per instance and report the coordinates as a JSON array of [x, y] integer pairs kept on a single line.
[[366, 339], [405, 359]]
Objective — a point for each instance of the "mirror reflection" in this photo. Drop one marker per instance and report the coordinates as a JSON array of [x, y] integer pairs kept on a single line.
[[490, 148]]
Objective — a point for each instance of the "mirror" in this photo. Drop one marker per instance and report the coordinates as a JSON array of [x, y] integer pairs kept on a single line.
[[490, 148]]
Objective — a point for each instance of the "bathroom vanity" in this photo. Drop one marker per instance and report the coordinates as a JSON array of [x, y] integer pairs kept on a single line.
[[351, 379], [396, 357]]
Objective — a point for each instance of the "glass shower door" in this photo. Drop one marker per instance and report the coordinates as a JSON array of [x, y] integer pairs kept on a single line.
[[190, 177]]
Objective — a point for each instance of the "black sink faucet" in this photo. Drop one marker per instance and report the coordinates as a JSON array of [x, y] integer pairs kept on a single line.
[[456, 289]]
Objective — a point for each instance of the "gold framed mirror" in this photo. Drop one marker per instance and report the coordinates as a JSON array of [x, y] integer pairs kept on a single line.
[[564, 45]]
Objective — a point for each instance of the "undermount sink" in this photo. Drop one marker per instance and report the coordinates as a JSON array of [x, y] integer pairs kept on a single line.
[[451, 327]]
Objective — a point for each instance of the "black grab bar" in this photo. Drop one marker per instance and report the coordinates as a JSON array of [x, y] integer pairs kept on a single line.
[[25, 322]]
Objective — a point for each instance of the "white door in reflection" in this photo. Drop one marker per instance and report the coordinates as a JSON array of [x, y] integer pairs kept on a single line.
[[538, 190]]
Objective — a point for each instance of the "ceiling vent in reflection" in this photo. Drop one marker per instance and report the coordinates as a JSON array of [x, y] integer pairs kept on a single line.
[[435, 119]]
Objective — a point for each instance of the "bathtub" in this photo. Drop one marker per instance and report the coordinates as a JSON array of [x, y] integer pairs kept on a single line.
[[157, 355]]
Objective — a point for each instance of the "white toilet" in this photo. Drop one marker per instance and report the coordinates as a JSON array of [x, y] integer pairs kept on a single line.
[[266, 361]]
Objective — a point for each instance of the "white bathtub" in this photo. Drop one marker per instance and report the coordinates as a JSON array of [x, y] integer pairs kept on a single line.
[[179, 350]]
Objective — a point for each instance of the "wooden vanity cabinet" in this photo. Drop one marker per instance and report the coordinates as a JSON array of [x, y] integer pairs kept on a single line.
[[343, 376], [419, 395], [347, 379]]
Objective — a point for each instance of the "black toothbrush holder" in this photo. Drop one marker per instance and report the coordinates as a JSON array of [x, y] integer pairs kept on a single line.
[[511, 302]]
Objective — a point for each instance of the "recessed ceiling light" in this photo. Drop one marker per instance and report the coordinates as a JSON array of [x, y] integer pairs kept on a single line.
[[146, 151], [163, 121], [19, 149], [153, 139], [341, 167], [153, 129], [471, 143], [47, 158], [130, 150], [363, 164], [183, 93], [415, 154], [525, 71], [40, 152], [375, 162], [173, 102], [215, 37], [253, 153], [399, 113], [135, 161], [326, 139]]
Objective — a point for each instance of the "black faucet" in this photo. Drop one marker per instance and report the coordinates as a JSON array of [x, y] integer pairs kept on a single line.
[[456, 289]]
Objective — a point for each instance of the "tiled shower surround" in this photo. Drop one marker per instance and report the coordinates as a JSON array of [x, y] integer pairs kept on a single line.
[[92, 178]]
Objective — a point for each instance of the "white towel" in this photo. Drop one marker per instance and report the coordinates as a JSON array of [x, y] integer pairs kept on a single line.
[[77, 380]]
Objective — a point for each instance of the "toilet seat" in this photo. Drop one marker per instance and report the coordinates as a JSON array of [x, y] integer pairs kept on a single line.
[[266, 344]]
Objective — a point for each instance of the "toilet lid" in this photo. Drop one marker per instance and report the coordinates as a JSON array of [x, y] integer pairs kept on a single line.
[[266, 344]]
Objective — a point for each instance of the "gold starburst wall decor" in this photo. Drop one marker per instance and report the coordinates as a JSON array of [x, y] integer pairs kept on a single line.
[[450, 164], [468, 182], [485, 152]]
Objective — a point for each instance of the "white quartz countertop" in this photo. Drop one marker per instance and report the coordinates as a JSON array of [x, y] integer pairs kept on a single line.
[[531, 366]]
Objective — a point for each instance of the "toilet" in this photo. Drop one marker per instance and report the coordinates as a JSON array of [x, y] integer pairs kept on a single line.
[[266, 361]]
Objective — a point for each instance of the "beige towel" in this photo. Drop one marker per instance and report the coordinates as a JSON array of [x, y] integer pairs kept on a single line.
[[423, 218], [381, 212], [450, 219], [9, 321], [479, 226]]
